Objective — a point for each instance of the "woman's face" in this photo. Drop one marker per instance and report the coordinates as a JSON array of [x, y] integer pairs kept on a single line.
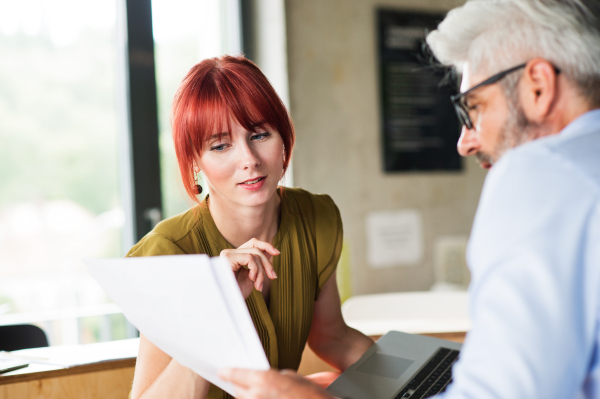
[[243, 167]]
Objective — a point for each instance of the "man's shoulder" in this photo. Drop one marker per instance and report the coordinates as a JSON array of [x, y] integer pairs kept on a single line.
[[541, 190], [568, 157]]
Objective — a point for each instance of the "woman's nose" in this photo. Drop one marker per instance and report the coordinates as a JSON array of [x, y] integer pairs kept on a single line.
[[249, 158], [468, 143]]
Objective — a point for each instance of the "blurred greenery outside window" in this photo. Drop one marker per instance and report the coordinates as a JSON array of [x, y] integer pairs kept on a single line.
[[59, 166], [59, 200]]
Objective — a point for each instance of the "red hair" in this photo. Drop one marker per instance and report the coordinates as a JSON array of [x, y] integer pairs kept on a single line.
[[214, 92]]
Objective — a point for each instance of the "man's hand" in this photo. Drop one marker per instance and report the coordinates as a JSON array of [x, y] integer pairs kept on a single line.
[[271, 384], [250, 263]]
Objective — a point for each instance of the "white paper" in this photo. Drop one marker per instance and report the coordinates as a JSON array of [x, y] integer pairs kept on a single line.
[[74, 355], [189, 306], [394, 238]]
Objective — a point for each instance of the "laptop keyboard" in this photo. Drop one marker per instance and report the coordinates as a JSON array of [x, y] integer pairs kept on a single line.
[[433, 378]]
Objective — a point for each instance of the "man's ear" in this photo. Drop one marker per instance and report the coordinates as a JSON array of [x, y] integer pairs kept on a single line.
[[538, 89]]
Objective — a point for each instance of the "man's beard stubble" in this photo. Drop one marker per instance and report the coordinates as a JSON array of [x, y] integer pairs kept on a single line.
[[517, 130]]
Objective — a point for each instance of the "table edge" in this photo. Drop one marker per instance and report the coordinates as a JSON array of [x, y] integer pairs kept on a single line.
[[61, 372]]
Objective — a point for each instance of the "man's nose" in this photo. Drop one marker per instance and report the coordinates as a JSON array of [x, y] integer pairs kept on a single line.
[[468, 143]]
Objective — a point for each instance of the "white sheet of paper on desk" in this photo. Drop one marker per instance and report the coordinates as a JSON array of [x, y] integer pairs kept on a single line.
[[74, 355], [189, 306]]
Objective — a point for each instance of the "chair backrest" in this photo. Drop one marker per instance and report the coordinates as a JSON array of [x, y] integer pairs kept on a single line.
[[21, 336]]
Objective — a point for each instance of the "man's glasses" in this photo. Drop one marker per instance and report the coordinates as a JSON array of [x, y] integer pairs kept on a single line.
[[459, 100]]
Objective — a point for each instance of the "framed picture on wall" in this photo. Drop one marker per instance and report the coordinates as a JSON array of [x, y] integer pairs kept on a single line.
[[419, 128]]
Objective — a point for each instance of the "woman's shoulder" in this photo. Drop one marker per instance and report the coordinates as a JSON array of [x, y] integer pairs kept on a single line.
[[168, 236], [177, 227], [318, 210], [306, 200]]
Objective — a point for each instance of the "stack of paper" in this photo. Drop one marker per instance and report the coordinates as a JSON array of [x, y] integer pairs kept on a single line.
[[189, 306]]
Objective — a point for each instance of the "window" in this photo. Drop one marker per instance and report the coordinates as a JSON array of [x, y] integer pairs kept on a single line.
[[60, 199], [59, 155]]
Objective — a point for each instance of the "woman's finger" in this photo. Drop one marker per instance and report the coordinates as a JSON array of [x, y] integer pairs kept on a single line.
[[241, 259], [240, 250], [236, 259], [227, 254], [262, 245], [253, 266], [257, 273], [251, 261], [264, 260], [265, 263], [260, 278]]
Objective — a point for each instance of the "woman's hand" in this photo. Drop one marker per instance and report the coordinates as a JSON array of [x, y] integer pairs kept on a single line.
[[271, 384], [250, 263]]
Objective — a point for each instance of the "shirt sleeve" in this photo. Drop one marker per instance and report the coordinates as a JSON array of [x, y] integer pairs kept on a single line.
[[329, 238], [533, 298]]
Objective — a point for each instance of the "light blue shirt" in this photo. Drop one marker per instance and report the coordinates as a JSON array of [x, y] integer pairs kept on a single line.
[[534, 256]]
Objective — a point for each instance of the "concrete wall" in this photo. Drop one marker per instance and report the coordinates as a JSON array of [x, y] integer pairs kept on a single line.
[[334, 101]]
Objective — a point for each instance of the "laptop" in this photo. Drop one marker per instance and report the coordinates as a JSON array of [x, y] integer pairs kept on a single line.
[[399, 366]]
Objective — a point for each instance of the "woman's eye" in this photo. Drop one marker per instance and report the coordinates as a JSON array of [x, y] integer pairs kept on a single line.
[[218, 148], [260, 136]]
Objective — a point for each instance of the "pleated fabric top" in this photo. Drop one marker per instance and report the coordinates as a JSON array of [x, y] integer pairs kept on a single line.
[[310, 241]]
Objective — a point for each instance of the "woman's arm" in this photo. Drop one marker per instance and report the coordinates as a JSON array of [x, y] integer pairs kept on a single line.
[[330, 338], [157, 375]]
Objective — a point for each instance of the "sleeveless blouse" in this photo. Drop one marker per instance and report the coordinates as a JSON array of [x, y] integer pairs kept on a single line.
[[310, 241]]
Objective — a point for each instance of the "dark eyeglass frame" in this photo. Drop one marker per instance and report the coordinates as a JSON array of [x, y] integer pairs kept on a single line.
[[462, 111]]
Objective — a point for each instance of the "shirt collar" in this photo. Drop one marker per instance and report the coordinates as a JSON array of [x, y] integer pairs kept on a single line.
[[586, 123]]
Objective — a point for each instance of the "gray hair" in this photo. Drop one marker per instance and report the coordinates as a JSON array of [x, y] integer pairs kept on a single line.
[[492, 35]]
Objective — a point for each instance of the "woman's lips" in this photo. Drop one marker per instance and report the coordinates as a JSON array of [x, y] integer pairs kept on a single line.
[[254, 184]]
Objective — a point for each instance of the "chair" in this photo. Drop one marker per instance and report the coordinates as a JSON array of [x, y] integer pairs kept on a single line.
[[21, 336]]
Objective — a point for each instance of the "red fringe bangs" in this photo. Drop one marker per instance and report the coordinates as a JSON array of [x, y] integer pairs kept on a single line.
[[213, 93]]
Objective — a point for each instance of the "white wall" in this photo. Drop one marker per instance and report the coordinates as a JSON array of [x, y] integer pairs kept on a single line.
[[334, 101]]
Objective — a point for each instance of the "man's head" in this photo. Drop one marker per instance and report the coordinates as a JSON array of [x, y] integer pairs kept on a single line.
[[544, 60]]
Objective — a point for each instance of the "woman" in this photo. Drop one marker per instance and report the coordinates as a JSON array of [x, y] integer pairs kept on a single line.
[[283, 244]]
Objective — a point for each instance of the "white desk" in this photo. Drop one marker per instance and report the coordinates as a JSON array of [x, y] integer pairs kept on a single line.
[[427, 312]]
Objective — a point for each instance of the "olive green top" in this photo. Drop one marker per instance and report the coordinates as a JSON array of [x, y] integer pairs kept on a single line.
[[310, 241]]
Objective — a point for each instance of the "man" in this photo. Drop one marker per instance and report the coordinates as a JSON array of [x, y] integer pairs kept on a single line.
[[530, 107]]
